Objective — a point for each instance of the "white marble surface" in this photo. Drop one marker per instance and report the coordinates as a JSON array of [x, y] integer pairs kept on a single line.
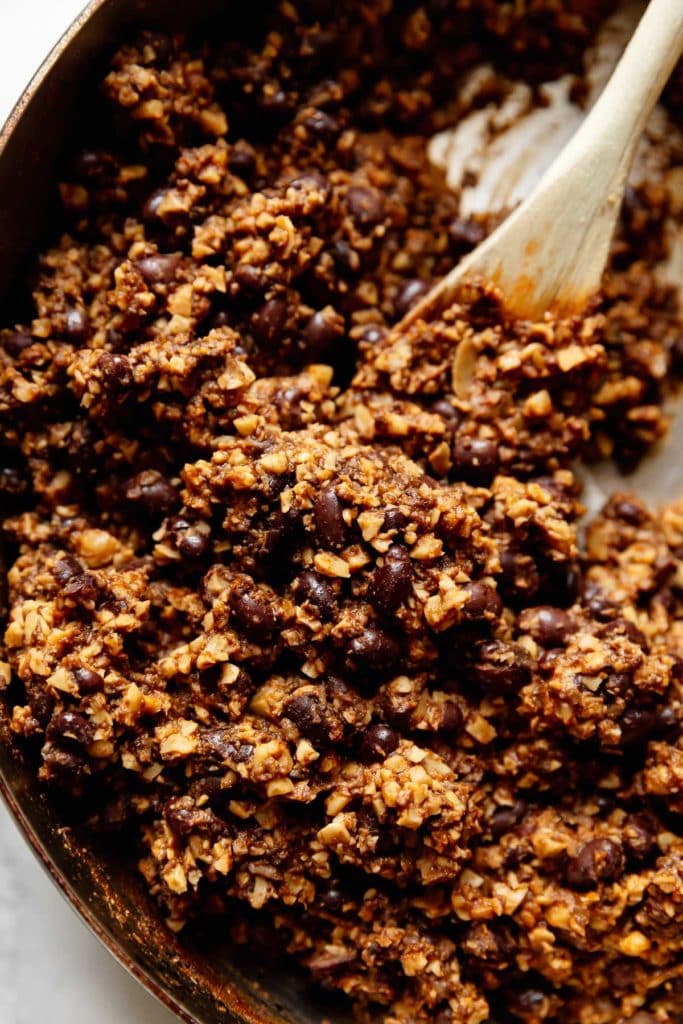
[[51, 967]]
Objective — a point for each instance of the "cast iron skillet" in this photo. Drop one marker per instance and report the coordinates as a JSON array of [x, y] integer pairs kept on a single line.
[[200, 978]]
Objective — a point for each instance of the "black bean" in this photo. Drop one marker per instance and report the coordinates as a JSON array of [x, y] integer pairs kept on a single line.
[[596, 601], [667, 723], [640, 835], [565, 583], [452, 718], [179, 813], [528, 1001], [189, 540], [600, 860], [311, 182], [42, 703], [276, 104], [254, 614], [152, 493], [626, 628], [71, 725], [482, 602], [329, 522], [559, 489], [339, 690], [377, 742], [475, 459], [347, 260], [194, 545], [184, 817], [315, 589], [150, 209], [88, 681], [209, 786], [390, 584], [159, 269], [280, 527], [618, 683], [631, 511], [116, 370], [324, 126], [366, 205], [501, 667], [288, 403], [409, 294], [242, 160], [307, 713], [548, 660], [606, 804], [82, 588], [506, 818], [67, 567], [520, 578], [77, 328], [218, 744], [371, 334], [303, 709], [115, 339], [386, 842], [14, 342], [269, 320], [465, 235], [548, 626], [93, 163], [249, 279], [398, 710], [395, 519], [323, 328], [664, 567], [130, 321], [637, 725], [374, 650], [332, 899], [447, 412], [13, 485]]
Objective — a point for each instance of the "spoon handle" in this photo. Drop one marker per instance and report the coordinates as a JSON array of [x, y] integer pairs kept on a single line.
[[638, 79], [551, 251]]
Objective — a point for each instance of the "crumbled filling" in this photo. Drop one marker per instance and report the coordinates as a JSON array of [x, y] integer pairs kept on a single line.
[[299, 602]]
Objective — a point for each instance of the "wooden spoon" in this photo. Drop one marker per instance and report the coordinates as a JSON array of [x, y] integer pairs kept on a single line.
[[551, 252]]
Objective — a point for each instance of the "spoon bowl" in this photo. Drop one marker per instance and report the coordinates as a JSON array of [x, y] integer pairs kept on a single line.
[[550, 253]]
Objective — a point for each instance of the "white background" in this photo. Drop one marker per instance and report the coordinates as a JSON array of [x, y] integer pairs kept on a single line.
[[51, 968]]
